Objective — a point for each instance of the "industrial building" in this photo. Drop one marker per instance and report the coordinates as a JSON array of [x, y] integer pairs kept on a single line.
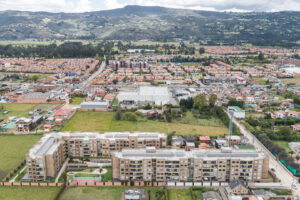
[[144, 95], [224, 164]]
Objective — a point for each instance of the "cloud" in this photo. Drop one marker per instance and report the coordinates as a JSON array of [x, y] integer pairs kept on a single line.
[[47, 5], [113, 4], [225, 5], [92, 5]]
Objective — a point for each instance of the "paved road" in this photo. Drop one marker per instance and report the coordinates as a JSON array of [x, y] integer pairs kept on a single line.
[[281, 172]]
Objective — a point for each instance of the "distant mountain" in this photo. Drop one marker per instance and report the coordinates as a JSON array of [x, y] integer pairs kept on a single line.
[[153, 23]]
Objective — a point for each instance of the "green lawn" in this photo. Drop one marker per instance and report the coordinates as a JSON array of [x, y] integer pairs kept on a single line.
[[23, 109], [28, 193], [105, 193], [255, 115], [39, 75], [77, 100], [108, 175], [179, 194], [260, 80], [295, 80], [283, 144], [104, 122], [13, 149]]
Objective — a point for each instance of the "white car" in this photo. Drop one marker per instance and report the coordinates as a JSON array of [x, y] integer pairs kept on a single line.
[[294, 186]]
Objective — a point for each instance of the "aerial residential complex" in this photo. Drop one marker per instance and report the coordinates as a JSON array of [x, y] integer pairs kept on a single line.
[[224, 164], [46, 158]]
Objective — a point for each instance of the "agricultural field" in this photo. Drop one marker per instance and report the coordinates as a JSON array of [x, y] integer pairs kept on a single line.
[[105, 122], [179, 194], [22, 109], [28, 193], [13, 149], [91, 193]]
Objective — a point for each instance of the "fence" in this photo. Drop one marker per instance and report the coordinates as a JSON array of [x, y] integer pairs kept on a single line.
[[116, 184]]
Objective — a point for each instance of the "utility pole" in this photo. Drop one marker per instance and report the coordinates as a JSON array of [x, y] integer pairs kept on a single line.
[[230, 127]]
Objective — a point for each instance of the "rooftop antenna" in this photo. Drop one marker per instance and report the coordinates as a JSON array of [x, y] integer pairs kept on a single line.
[[230, 127]]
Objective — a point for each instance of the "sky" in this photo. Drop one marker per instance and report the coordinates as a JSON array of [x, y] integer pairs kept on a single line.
[[94, 5]]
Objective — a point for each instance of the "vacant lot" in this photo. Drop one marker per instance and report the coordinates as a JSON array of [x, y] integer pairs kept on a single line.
[[295, 80], [91, 193], [28, 193], [283, 144], [13, 149], [77, 100], [23, 109], [104, 121], [180, 194]]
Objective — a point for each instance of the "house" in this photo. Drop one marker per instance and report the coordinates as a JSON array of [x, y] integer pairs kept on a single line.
[[294, 114], [24, 124], [63, 114], [296, 127], [235, 139], [135, 194], [189, 139], [221, 142], [237, 112], [211, 196], [238, 187], [204, 139], [279, 114], [177, 141], [189, 146]]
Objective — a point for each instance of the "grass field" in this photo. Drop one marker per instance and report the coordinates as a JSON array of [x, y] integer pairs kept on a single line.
[[39, 75], [295, 80], [179, 194], [23, 109], [283, 144], [260, 80], [91, 193], [255, 115], [77, 100], [13, 149], [104, 121], [28, 193]]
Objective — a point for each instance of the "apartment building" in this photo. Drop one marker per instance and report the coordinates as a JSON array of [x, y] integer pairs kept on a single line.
[[224, 164], [45, 159]]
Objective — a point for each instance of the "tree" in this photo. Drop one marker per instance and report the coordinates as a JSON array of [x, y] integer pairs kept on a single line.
[[297, 158], [200, 101], [35, 78], [118, 115], [202, 50], [212, 100], [285, 132], [132, 117], [115, 81], [291, 153], [169, 117], [261, 56]]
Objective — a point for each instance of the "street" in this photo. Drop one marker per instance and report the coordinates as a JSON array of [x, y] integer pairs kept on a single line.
[[281, 171]]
